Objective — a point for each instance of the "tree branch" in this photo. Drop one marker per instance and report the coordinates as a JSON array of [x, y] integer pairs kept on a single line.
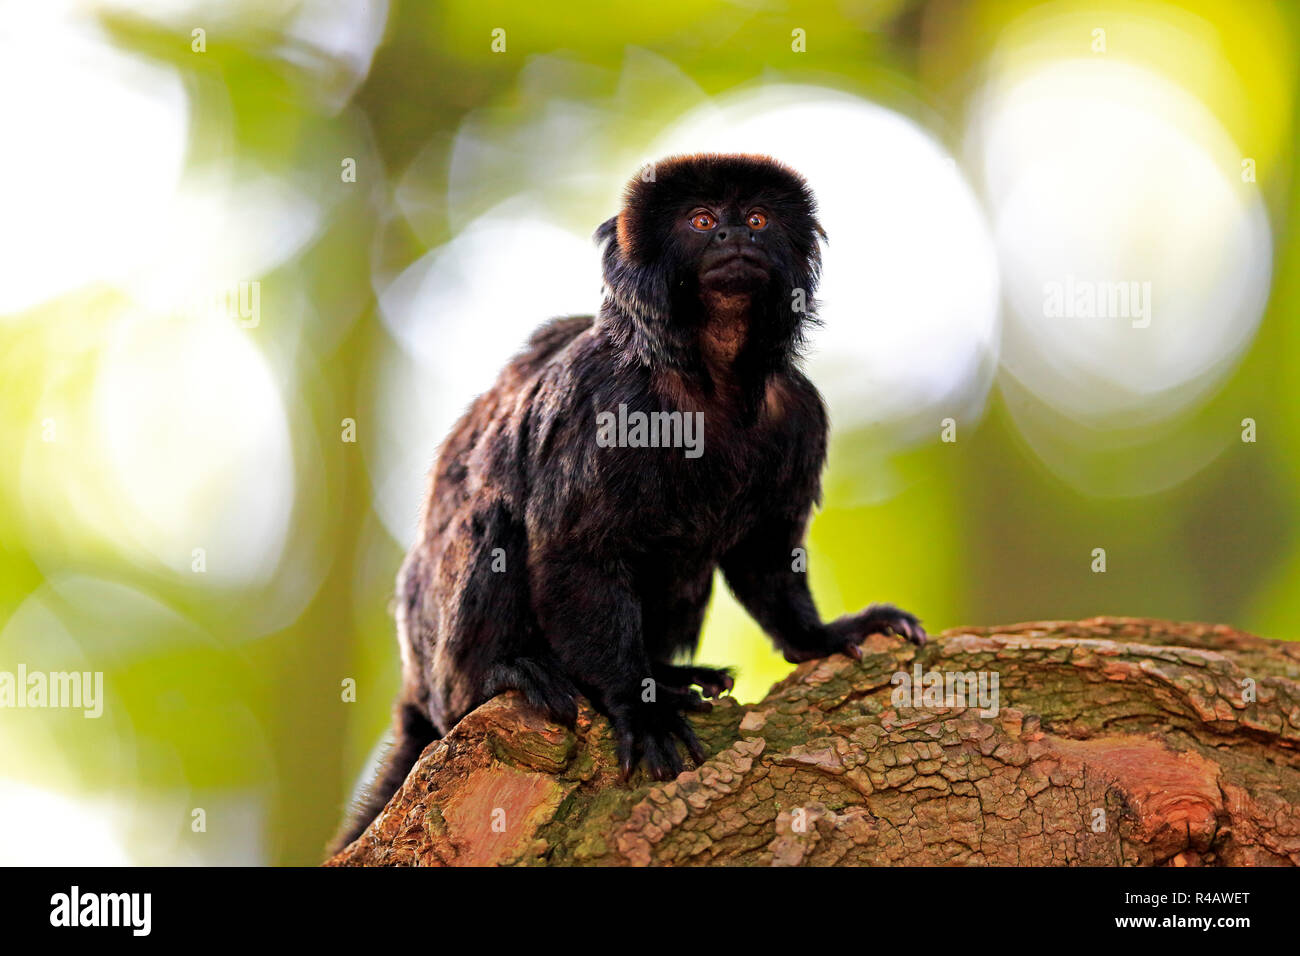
[[1115, 741]]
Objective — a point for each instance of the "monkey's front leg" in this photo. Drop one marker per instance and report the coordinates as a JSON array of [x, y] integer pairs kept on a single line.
[[592, 621], [761, 570]]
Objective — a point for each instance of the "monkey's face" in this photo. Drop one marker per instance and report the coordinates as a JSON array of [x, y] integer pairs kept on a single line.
[[741, 226], [728, 243]]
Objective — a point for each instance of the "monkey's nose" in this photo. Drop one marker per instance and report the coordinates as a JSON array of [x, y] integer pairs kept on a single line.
[[729, 236]]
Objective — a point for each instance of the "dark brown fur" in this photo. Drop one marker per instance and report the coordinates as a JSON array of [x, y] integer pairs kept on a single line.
[[609, 552]]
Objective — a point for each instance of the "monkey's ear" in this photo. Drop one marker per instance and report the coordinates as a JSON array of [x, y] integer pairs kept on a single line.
[[607, 231]]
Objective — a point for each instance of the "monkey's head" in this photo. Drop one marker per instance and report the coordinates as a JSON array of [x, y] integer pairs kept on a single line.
[[700, 233]]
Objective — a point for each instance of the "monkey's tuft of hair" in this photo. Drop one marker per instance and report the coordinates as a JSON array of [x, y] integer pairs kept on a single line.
[[563, 552]]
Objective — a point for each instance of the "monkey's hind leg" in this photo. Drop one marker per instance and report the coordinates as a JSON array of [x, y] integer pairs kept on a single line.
[[543, 684], [412, 732]]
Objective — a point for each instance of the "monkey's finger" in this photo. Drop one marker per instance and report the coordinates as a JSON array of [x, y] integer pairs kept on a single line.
[[688, 700], [714, 681], [683, 698], [625, 749], [687, 736], [661, 757], [913, 631], [557, 707]]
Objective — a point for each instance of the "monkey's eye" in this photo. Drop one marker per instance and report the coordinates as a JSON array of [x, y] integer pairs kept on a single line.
[[757, 220], [703, 221]]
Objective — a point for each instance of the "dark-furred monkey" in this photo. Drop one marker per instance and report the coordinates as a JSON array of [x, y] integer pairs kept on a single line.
[[563, 550]]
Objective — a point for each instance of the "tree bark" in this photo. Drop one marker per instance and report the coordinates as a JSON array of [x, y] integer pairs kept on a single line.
[[1116, 741]]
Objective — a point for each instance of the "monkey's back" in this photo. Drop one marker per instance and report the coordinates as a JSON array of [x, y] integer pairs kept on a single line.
[[454, 475], [463, 596]]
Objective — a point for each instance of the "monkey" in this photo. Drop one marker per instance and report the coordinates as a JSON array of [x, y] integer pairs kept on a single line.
[[560, 556]]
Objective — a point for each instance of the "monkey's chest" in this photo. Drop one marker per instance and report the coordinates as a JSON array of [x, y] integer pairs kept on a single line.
[[699, 509]]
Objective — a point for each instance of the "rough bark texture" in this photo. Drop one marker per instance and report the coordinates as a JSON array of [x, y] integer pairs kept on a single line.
[[1119, 741]]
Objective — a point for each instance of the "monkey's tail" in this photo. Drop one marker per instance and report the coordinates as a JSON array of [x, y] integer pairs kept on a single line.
[[413, 731]]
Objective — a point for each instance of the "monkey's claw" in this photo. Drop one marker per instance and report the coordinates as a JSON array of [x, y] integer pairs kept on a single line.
[[882, 619], [712, 681], [844, 634], [649, 734]]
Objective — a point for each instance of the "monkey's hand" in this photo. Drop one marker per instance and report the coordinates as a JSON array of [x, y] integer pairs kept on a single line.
[[712, 681], [844, 634], [648, 732]]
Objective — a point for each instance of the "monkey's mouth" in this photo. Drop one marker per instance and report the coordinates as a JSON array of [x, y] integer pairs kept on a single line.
[[734, 269]]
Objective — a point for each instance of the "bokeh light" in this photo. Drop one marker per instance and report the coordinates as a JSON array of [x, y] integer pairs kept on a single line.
[[1136, 260], [106, 144]]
